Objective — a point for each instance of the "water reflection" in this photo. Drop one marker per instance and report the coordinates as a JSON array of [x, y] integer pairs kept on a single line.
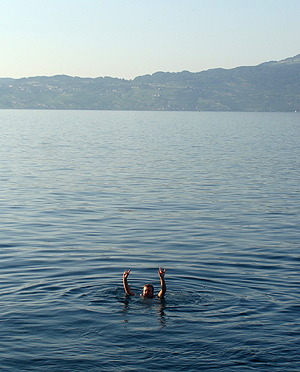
[[139, 306]]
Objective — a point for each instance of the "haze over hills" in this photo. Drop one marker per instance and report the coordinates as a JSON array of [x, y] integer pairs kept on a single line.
[[270, 86]]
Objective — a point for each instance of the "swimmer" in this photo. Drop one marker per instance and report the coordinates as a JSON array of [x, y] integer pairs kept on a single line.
[[148, 290]]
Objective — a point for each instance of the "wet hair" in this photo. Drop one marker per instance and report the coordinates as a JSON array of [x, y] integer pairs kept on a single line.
[[149, 285]]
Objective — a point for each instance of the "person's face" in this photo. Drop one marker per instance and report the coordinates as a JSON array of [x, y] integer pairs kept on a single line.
[[147, 292]]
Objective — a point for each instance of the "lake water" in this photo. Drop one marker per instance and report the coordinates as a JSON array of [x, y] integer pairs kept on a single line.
[[212, 197]]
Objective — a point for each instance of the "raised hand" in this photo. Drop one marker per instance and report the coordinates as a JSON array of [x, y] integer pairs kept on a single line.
[[128, 291], [161, 272], [126, 273]]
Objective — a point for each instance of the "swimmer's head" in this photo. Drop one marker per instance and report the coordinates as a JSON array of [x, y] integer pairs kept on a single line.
[[148, 291]]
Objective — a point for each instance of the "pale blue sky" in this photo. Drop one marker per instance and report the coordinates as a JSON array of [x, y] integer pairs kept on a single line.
[[127, 38]]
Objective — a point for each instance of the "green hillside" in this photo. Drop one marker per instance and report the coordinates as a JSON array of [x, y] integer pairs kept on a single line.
[[271, 86]]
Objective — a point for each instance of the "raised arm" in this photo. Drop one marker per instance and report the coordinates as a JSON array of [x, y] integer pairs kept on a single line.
[[128, 291], [161, 274]]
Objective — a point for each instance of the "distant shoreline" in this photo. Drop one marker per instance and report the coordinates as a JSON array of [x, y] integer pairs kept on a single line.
[[268, 87]]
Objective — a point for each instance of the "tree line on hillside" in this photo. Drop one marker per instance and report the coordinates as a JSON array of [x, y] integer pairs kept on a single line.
[[271, 86]]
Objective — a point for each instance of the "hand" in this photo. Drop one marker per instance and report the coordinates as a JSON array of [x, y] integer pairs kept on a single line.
[[126, 273], [161, 273]]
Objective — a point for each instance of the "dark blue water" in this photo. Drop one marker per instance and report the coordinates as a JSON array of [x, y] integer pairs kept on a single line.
[[212, 197]]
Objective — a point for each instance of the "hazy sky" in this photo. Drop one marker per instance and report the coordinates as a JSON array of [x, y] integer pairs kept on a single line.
[[127, 38]]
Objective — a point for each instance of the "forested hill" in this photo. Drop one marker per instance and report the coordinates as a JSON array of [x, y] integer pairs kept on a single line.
[[271, 86]]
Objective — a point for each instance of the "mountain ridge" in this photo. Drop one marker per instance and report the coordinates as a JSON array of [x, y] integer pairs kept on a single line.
[[269, 86]]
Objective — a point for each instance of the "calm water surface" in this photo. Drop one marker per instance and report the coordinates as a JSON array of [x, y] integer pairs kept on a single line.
[[212, 197]]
